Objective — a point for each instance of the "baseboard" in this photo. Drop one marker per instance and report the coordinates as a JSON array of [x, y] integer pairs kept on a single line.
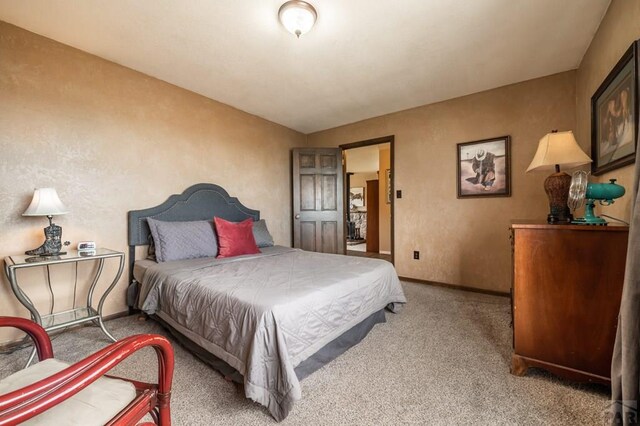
[[385, 252], [457, 287], [14, 344]]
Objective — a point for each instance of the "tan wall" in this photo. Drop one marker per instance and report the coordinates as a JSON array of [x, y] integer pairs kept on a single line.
[[359, 180], [384, 209], [618, 29], [110, 140], [464, 241]]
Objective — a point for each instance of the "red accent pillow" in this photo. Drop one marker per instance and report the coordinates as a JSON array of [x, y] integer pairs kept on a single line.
[[235, 239]]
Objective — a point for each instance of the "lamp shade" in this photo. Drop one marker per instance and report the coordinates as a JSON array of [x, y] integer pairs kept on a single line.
[[45, 202], [297, 16], [558, 148]]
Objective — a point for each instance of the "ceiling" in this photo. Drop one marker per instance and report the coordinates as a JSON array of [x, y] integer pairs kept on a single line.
[[362, 59]]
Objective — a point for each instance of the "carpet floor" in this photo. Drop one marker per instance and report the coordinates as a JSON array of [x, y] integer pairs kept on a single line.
[[444, 359]]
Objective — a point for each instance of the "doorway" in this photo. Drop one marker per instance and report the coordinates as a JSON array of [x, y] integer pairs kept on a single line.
[[369, 201]]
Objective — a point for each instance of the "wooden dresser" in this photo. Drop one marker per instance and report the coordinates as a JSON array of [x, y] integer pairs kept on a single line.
[[566, 290]]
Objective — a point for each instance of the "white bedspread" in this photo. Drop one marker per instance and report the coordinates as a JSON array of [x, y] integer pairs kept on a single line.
[[264, 314]]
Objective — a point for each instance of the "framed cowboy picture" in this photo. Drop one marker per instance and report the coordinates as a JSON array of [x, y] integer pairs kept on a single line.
[[484, 168], [614, 116]]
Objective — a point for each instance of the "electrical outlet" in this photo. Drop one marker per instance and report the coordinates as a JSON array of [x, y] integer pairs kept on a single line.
[[399, 193], [416, 255]]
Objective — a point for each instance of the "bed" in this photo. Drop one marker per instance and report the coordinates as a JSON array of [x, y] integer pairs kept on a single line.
[[266, 320]]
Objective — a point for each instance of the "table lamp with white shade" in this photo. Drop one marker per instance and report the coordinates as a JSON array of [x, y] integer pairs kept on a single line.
[[557, 149], [46, 202]]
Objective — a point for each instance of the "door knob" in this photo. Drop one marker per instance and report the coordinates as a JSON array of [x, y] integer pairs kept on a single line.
[[297, 216]]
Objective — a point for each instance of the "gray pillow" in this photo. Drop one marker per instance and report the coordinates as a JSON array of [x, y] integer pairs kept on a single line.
[[261, 234], [183, 240]]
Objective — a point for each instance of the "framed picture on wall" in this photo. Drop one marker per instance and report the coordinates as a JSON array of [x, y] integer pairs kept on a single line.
[[356, 197], [614, 116], [484, 168]]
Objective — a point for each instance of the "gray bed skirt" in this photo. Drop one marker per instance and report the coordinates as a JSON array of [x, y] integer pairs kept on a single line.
[[325, 355]]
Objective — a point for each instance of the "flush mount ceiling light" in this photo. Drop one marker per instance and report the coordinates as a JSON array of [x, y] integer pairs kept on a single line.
[[297, 17]]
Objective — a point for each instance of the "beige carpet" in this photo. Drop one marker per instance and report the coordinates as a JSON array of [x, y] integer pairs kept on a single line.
[[443, 360]]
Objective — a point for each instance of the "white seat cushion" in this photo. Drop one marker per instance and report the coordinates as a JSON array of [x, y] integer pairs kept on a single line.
[[95, 405]]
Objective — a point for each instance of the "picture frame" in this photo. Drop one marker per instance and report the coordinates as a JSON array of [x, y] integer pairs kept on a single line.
[[484, 168], [387, 183], [614, 116], [356, 197]]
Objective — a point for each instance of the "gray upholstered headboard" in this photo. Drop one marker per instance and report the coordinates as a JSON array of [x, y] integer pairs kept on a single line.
[[198, 202]]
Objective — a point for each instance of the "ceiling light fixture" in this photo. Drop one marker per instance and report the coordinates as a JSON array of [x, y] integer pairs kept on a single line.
[[297, 17]]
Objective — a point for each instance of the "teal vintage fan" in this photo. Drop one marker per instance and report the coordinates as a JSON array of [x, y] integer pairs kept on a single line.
[[581, 190]]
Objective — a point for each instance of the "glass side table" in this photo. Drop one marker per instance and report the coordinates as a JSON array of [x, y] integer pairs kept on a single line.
[[79, 315]]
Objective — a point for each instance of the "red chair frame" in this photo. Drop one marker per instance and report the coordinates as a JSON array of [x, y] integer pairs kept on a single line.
[[154, 399]]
